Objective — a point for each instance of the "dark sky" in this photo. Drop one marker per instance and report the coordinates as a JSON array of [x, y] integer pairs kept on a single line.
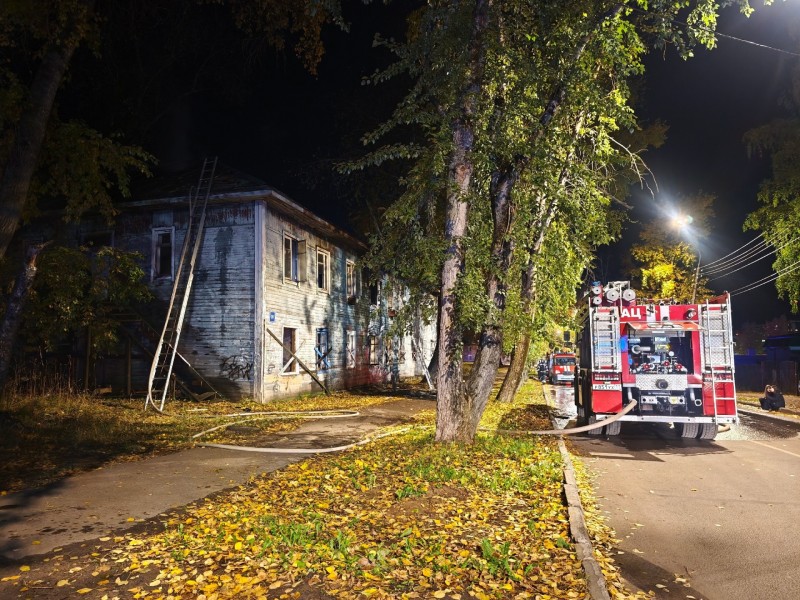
[[294, 125], [709, 102]]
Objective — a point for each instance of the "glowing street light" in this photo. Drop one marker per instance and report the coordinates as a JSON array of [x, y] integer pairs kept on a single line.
[[682, 222]]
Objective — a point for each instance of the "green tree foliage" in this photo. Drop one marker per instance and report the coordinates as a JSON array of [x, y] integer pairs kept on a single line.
[[78, 289], [667, 251], [778, 217], [504, 95]]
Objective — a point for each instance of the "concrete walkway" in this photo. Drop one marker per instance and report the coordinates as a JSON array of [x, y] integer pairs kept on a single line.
[[120, 495]]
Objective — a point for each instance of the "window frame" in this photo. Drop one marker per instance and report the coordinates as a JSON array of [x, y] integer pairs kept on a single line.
[[323, 363], [156, 254], [350, 349], [297, 261], [326, 272], [289, 366], [373, 354], [351, 280]]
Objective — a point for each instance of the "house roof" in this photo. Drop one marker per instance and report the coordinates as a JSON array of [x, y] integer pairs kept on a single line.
[[231, 186]]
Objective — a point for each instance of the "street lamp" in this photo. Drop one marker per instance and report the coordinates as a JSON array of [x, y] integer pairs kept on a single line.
[[682, 223]]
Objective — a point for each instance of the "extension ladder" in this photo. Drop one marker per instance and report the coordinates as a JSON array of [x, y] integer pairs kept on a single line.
[[167, 347]]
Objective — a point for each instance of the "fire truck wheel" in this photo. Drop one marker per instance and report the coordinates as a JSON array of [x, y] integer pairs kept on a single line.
[[596, 430], [708, 431], [613, 428], [688, 430]]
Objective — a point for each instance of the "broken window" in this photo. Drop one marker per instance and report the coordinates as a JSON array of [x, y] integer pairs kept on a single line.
[[352, 286], [350, 349], [323, 270], [162, 265], [373, 350], [289, 348], [294, 256]]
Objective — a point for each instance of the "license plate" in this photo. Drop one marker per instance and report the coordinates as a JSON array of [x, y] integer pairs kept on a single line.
[[614, 387]]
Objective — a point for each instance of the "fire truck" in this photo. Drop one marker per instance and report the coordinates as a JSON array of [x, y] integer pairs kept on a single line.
[[562, 368], [675, 361]]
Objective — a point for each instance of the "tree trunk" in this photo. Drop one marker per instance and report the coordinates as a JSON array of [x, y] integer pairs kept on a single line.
[[19, 168], [547, 211], [453, 405], [13, 316], [433, 365], [516, 370]]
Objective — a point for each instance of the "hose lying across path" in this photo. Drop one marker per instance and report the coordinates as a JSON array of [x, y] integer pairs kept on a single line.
[[630, 406], [256, 416], [338, 414]]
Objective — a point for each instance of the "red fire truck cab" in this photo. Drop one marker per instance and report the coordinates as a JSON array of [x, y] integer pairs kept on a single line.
[[675, 361], [562, 368]]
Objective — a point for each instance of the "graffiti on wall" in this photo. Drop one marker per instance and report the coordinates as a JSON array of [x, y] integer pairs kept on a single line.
[[237, 366]]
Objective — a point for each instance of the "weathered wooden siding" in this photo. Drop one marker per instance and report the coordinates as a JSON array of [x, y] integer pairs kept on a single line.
[[301, 306], [218, 333], [217, 336]]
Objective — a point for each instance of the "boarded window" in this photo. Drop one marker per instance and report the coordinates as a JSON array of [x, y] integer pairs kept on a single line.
[[323, 270], [322, 349], [289, 347], [162, 253]]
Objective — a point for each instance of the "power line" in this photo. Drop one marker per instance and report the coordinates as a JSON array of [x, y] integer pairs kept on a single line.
[[750, 255], [722, 35], [765, 280], [713, 262]]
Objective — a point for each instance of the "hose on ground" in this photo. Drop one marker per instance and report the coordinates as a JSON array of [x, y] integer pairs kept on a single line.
[[293, 414], [626, 409]]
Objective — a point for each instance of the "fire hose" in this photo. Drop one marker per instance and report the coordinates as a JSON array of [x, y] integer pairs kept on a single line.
[[625, 410], [349, 413]]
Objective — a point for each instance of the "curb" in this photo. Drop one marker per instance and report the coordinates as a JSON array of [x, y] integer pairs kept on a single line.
[[595, 581], [783, 415]]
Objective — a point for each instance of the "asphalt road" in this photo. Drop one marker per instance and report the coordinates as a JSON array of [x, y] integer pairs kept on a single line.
[[713, 520]]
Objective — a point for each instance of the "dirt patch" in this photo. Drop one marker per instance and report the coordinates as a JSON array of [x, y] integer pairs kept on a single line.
[[428, 503]]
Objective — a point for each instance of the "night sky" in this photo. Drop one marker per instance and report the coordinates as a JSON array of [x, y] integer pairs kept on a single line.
[[709, 103], [293, 125]]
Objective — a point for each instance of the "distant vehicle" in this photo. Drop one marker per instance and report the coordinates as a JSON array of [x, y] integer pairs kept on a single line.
[[675, 361], [562, 368]]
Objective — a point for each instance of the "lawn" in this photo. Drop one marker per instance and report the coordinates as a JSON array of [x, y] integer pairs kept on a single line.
[[399, 517]]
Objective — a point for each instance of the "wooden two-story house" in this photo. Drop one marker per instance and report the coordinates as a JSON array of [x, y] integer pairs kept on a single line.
[[278, 305]]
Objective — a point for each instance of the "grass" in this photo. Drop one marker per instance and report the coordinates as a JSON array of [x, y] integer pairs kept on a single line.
[[400, 517]]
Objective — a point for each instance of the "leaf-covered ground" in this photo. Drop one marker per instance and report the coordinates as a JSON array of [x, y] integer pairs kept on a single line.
[[400, 517]]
